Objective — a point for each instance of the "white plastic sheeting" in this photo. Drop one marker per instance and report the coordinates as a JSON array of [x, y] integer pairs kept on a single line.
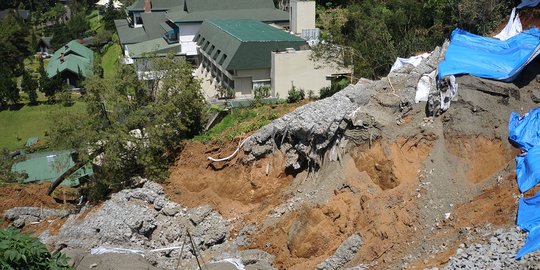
[[415, 61], [528, 3], [105, 250], [426, 82], [105, 3], [512, 28], [450, 94]]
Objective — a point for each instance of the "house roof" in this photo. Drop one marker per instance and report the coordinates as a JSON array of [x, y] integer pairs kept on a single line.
[[49, 166], [129, 35], [198, 5], [21, 13], [264, 15], [157, 5], [46, 41], [76, 58], [158, 46], [244, 44], [152, 28]]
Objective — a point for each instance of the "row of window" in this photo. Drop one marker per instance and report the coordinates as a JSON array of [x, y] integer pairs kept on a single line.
[[210, 48]]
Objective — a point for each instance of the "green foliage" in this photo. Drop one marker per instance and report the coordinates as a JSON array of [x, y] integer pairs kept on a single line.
[[9, 93], [109, 61], [226, 93], [241, 121], [13, 45], [22, 251], [333, 88], [371, 33], [110, 15], [6, 162], [138, 129], [29, 86], [295, 95]]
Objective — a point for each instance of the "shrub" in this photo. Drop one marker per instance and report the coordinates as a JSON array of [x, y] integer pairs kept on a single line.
[[22, 251], [295, 95], [334, 88]]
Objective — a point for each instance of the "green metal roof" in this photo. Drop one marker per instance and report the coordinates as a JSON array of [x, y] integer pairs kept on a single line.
[[47, 166], [152, 24], [204, 5], [77, 59], [264, 15], [244, 44], [161, 5], [158, 46], [128, 35]]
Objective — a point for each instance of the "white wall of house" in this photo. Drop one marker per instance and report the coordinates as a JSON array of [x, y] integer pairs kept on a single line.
[[301, 15], [186, 34], [296, 68], [246, 79], [135, 17]]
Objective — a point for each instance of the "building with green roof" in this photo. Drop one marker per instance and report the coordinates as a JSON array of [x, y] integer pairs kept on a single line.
[[177, 21], [237, 53], [48, 166], [72, 62]]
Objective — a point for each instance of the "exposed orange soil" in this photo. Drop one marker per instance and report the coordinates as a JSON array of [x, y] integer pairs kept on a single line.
[[482, 157]]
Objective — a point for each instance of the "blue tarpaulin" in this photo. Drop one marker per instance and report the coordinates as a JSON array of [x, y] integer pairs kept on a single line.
[[524, 132], [528, 219], [487, 57], [528, 169], [531, 244], [528, 216]]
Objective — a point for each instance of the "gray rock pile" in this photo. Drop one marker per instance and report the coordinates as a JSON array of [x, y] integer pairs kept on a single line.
[[497, 253], [344, 254], [22, 216], [357, 112], [143, 219]]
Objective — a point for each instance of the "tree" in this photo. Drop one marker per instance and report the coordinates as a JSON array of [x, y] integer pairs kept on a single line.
[[29, 86], [13, 45], [110, 15], [135, 130], [9, 93]]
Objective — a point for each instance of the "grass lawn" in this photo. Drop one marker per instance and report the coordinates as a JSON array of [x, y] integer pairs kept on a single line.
[[110, 59], [16, 126], [94, 19], [241, 121]]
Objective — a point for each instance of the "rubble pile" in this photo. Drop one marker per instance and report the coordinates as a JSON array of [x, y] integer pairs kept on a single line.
[[144, 220]]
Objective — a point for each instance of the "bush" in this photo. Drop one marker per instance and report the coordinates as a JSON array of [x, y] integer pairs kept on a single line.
[[334, 88], [22, 251], [295, 95]]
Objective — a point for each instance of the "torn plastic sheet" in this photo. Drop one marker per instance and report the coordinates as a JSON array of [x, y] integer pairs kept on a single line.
[[512, 28], [487, 57], [236, 262], [528, 219], [528, 3], [448, 91], [524, 131], [414, 61], [105, 250], [528, 169], [424, 86]]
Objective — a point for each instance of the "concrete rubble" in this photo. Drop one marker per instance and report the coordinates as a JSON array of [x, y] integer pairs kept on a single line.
[[22, 216], [358, 112], [143, 219], [343, 254]]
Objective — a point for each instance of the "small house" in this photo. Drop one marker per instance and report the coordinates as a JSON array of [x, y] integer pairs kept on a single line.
[[72, 62]]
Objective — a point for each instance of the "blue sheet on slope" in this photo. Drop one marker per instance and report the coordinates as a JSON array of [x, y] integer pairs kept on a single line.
[[528, 219], [524, 131], [528, 169], [487, 57]]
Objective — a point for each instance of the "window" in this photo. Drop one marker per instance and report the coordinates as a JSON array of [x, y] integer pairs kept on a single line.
[[197, 38], [222, 59], [216, 55], [206, 45], [211, 50]]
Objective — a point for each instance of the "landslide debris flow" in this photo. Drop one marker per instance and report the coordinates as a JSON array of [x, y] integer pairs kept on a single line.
[[362, 179]]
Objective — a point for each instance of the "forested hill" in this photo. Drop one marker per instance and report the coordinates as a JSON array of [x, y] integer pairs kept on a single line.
[[375, 32]]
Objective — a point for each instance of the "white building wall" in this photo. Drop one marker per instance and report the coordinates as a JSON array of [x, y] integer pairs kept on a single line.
[[296, 68], [186, 34], [302, 15]]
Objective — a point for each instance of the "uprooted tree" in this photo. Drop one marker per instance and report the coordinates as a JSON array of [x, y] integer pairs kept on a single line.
[[130, 128]]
